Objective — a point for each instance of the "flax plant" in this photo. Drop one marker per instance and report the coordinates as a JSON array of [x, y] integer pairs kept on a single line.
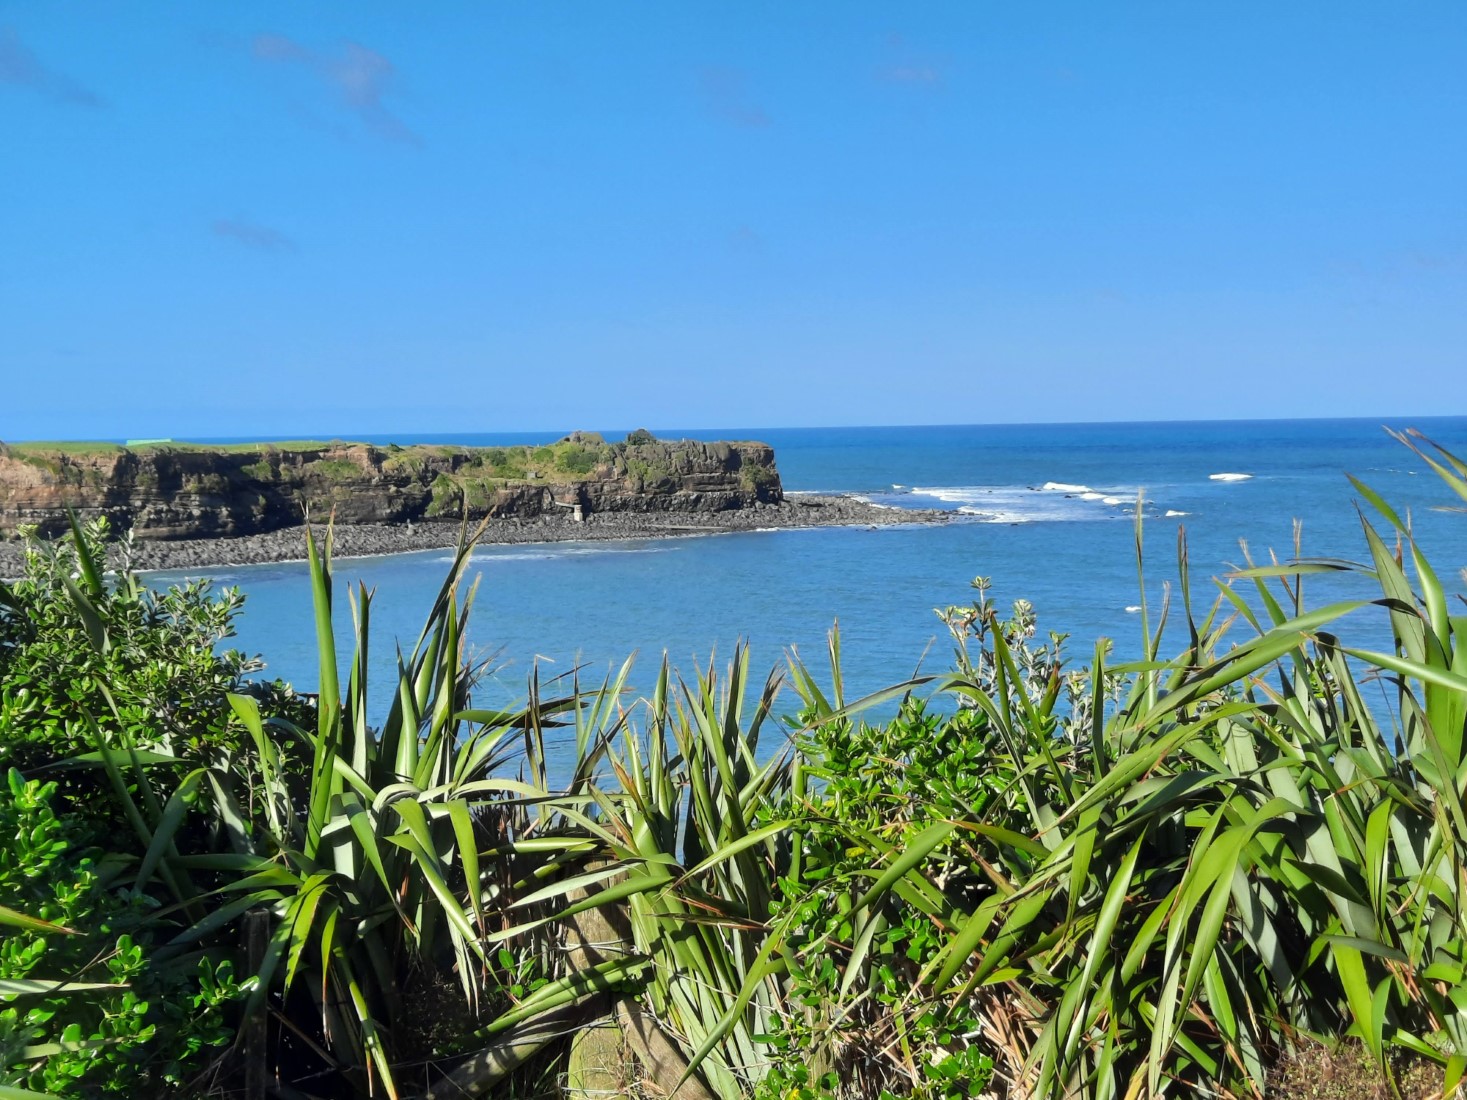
[[1245, 854], [359, 843], [688, 857]]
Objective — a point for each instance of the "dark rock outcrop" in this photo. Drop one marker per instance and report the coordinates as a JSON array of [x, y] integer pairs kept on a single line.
[[178, 492]]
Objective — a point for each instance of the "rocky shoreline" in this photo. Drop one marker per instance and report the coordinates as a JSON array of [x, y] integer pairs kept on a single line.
[[358, 540]]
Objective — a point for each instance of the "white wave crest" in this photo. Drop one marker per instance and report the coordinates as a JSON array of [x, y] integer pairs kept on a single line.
[[1062, 487], [1228, 477], [983, 516], [1173, 512], [1018, 503], [1132, 609]]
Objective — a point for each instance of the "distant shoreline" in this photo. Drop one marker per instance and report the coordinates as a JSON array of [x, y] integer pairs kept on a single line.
[[372, 539]]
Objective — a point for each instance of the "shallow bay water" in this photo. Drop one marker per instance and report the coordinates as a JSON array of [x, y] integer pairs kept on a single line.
[[1046, 512]]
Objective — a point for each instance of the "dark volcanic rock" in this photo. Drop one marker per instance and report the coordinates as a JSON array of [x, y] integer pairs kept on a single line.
[[166, 492], [288, 544]]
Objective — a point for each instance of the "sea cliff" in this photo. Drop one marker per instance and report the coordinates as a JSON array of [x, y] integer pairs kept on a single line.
[[168, 491]]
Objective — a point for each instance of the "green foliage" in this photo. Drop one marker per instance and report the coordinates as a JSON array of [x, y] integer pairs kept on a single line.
[[335, 469], [646, 475], [81, 659], [684, 852], [446, 499], [84, 1011], [639, 436], [479, 495], [70, 447], [206, 483], [857, 954], [93, 670], [1148, 880], [403, 460], [757, 479], [576, 460], [506, 462], [367, 848]]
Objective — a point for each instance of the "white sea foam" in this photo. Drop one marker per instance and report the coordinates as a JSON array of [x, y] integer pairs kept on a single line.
[[1228, 477], [1111, 500], [983, 516], [1173, 512], [1092, 495], [1019, 503], [953, 494], [1062, 487], [1132, 609]]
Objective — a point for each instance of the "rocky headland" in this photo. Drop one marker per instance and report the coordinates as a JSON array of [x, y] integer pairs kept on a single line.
[[189, 506]]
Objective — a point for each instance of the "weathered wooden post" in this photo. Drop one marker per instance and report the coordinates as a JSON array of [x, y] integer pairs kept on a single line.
[[597, 1064]]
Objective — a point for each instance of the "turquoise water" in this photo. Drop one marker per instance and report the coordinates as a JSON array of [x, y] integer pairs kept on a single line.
[[1046, 513]]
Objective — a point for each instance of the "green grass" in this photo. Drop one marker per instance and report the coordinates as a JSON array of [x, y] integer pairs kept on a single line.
[[290, 445], [64, 447], [97, 447]]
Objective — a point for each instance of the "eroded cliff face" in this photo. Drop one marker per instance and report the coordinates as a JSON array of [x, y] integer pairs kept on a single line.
[[167, 492]]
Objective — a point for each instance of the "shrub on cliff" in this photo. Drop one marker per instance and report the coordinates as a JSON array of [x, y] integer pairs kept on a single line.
[[757, 479]]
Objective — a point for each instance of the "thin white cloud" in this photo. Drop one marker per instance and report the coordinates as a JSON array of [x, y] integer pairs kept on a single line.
[[21, 68], [724, 95], [253, 235], [360, 78], [903, 65]]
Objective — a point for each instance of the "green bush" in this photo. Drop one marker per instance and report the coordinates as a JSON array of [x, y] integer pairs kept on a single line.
[[757, 479], [446, 498], [334, 469], [578, 459], [84, 1010], [83, 660], [93, 670]]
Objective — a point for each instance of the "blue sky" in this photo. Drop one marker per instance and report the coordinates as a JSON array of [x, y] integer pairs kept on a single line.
[[335, 218]]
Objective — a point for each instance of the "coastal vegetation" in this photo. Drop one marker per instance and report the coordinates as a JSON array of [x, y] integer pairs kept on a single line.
[[1233, 868]]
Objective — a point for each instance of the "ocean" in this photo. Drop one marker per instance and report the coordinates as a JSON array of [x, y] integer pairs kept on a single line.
[[1046, 512]]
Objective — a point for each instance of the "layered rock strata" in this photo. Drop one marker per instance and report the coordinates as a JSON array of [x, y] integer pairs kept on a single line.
[[184, 492]]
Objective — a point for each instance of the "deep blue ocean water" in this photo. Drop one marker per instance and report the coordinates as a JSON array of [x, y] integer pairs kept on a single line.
[[1046, 514]]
